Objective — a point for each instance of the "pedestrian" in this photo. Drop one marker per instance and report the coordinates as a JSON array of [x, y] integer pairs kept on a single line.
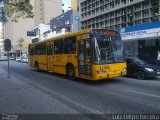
[[158, 58]]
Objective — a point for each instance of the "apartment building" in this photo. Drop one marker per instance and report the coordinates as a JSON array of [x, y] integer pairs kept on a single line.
[[75, 4], [44, 11], [114, 14]]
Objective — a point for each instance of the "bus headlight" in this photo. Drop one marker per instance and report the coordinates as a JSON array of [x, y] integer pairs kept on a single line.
[[124, 70]]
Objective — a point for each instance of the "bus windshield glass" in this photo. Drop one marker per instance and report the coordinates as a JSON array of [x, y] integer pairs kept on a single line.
[[107, 49]]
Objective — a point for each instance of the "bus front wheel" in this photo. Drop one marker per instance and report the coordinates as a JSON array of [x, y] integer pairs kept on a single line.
[[70, 72]]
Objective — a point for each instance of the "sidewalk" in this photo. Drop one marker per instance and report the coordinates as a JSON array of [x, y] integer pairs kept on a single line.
[[21, 95]]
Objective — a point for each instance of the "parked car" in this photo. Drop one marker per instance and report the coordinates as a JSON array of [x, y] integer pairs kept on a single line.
[[11, 58], [24, 59], [18, 59], [3, 58], [140, 69]]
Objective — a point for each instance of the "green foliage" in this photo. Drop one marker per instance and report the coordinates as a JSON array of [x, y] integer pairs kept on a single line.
[[17, 9], [20, 42]]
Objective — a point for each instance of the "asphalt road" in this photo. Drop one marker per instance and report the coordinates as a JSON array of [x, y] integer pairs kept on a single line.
[[28, 91]]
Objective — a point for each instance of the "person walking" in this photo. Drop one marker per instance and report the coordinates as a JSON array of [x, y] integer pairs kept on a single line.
[[158, 58]]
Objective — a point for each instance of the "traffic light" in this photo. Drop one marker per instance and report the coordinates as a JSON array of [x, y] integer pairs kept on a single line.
[[7, 44]]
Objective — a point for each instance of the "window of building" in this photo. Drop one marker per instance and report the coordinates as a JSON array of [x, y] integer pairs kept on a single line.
[[112, 21], [58, 47], [131, 48], [123, 1], [102, 8], [137, 7], [146, 20], [70, 45], [124, 19], [146, 14], [118, 13], [117, 20], [112, 15], [138, 15], [155, 12], [155, 2], [112, 5], [137, 22], [145, 5], [150, 43], [106, 7], [130, 9], [123, 11], [117, 3]]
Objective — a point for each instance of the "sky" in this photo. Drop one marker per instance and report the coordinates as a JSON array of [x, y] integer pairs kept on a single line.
[[67, 1]]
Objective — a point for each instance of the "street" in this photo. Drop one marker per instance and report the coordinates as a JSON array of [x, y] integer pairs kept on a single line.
[[28, 91]]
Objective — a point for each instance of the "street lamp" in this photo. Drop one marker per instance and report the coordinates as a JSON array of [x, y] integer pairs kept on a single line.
[[156, 15], [77, 18]]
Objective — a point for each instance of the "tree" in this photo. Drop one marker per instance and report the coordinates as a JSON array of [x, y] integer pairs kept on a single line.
[[17, 9], [20, 44]]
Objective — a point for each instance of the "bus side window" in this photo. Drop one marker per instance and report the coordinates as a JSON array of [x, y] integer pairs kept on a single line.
[[70, 45], [31, 51], [49, 50], [40, 49], [58, 46]]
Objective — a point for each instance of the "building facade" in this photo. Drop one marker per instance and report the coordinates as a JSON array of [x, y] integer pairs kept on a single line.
[[42, 31], [1, 32], [67, 21], [114, 14], [142, 41], [43, 10], [75, 4], [66, 7], [1, 39]]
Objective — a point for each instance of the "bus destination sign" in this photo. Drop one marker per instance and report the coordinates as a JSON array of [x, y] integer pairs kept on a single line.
[[104, 32]]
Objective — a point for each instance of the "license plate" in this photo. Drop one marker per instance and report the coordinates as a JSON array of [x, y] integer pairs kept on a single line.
[[158, 73]]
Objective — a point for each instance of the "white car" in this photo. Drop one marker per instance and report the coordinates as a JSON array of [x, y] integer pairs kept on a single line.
[[24, 60], [18, 59], [3, 58]]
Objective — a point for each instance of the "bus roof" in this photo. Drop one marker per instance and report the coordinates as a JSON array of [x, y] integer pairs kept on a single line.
[[68, 35]]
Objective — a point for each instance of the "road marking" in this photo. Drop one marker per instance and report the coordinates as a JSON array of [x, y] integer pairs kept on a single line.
[[143, 93]]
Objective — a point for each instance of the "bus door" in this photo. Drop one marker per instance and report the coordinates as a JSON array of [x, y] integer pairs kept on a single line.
[[31, 56], [49, 58], [58, 55], [84, 59]]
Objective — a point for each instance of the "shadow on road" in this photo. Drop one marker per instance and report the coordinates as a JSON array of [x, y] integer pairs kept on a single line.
[[81, 80], [146, 79]]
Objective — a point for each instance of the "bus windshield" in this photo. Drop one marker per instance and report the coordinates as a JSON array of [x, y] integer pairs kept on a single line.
[[107, 49]]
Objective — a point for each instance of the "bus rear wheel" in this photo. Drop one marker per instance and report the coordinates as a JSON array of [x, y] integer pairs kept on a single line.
[[71, 72], [36, 66]]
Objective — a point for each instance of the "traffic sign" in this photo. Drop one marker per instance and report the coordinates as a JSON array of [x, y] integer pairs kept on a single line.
[[7, 44]]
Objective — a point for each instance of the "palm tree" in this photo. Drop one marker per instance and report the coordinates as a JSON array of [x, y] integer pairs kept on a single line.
[[20, 44]]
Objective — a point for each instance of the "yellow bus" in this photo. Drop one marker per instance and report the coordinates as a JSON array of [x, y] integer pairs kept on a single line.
[[92, 54]]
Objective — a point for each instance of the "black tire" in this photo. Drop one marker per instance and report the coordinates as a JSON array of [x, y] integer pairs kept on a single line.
[[140, 75], [71, 72], [36, 66]]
